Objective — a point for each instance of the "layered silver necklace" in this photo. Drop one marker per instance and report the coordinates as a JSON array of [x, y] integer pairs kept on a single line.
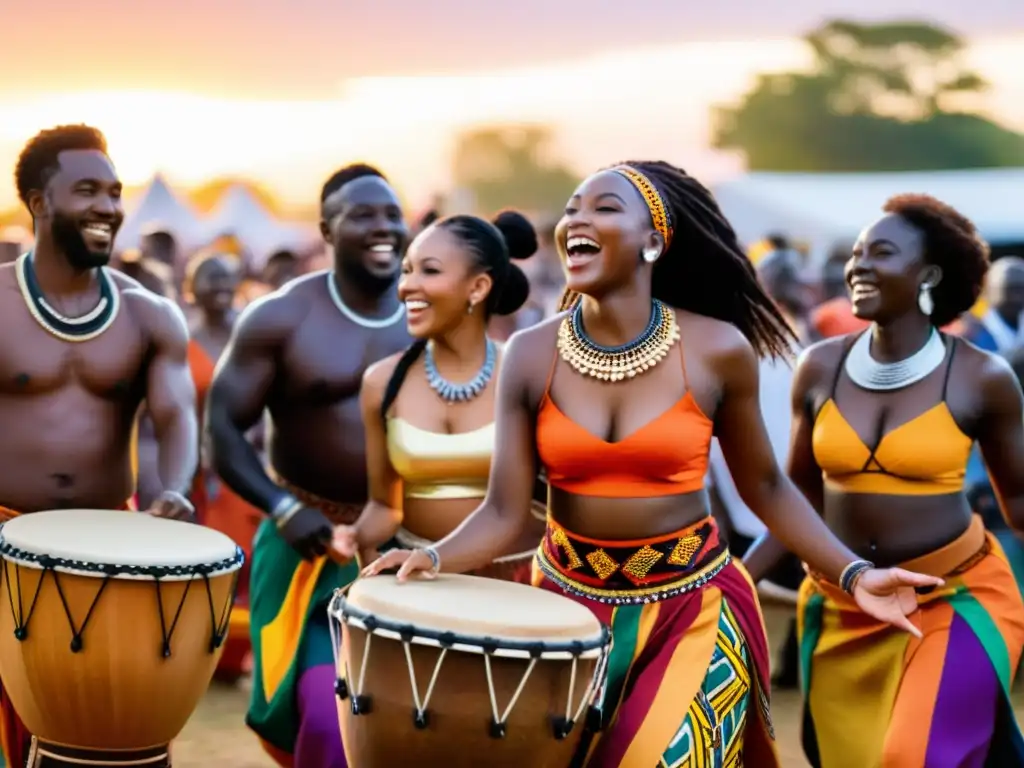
[[868, 373], [365, 322]]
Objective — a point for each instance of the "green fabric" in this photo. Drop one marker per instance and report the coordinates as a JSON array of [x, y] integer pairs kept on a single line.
[[317, 647], [811, 634], [625, 631], [273, 564], [988, 634]]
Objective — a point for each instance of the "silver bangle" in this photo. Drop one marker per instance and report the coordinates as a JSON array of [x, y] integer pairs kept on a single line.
[[435, 559], [285, 507]]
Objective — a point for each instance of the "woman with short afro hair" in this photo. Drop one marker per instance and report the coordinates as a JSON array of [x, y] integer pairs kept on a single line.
[[884, 422]]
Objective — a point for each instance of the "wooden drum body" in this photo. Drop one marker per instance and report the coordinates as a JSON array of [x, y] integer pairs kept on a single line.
[[111, 628], [463, 671]]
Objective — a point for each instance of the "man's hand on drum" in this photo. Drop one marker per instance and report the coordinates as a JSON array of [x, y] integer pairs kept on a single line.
[[172, 505], [410, 563], [308, 532], [345, 541], [347, 544]]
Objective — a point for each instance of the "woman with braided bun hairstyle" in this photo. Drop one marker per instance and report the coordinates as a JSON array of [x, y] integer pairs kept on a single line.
[[884, 424], [619, 397], [429, 411]]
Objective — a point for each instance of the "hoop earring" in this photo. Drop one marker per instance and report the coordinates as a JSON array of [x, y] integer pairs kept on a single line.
[[925, 302]]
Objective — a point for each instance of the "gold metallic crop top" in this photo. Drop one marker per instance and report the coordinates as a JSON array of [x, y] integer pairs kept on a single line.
[[926, 456], [438, 465]]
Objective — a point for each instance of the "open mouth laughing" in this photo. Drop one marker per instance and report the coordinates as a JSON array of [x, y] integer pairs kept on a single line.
[[98, 236], [580, 251]]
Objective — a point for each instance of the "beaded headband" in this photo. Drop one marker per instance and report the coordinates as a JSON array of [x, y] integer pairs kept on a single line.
[[655, 203]]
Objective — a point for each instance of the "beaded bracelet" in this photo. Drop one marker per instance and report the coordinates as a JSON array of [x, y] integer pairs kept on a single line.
[[848, 578]]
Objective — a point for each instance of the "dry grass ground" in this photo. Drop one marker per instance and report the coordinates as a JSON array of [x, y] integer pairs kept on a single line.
[[217, 736]]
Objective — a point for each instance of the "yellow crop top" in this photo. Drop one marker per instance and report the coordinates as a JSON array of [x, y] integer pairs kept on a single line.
[[926, 456], [438, 465]]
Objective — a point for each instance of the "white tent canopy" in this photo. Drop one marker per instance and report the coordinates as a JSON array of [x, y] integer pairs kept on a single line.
[[831, 208], [241, 215], [159, 207]]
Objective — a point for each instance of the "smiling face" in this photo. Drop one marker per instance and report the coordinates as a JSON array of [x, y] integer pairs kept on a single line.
[[439, 281], [214, 285], [603, 233], [887, 269], [363, 222], [82, 202]]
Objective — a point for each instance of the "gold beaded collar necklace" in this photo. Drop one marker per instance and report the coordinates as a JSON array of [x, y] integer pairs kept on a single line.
[[617, 363], [73, 329]]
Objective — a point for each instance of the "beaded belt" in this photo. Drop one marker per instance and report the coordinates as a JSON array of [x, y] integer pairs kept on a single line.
[[636, 571]]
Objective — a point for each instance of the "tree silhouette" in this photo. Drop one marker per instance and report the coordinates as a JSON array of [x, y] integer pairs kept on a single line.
[[511, 165], [881, 97]]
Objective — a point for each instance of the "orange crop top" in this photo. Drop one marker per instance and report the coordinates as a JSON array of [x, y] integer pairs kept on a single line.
[[926, 456], [665, 457]]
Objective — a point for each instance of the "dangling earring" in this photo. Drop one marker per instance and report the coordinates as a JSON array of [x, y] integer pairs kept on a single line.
[[469, 309], [651, 255], [925, 302]]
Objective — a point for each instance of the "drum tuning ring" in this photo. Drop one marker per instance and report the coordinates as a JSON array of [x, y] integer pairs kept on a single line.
[[420, 719], [497, 730], [361, 705], [341, 688]]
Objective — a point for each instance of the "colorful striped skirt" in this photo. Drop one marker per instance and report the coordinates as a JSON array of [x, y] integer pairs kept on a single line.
[[877, 697], [687, 680], [288, 626]]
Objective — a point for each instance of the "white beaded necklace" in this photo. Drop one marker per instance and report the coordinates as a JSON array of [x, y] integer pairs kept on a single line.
[[868, 373], [365, 322]]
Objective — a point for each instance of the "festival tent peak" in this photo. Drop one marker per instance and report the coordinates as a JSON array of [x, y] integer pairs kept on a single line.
[[159, 208], [829, 209], [241, 216]]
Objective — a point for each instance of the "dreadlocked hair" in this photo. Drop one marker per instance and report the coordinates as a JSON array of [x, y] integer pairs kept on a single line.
[[704, 270]]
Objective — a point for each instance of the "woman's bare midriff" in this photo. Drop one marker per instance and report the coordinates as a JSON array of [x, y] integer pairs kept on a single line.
[[433, 519], [889, 530], [598, 517]]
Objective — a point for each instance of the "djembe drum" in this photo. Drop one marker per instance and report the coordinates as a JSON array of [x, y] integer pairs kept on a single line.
[[463, 671], [110, 631]]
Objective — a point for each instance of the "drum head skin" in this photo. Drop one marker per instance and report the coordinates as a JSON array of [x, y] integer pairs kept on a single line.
[[110, 537], [475, 606]]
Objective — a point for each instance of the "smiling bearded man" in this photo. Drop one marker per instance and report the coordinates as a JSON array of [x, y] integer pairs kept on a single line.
[[83, 346], [300, 353]]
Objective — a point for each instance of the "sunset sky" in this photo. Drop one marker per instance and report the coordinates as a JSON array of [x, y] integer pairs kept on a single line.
[[285, 92]]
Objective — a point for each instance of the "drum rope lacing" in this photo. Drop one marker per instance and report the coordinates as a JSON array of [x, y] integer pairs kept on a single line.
[[361, 703], [50, 564]]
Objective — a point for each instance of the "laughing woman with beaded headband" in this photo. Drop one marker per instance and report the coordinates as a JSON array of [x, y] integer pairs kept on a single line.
[[619, 397], [884, 421], [429, 411]]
